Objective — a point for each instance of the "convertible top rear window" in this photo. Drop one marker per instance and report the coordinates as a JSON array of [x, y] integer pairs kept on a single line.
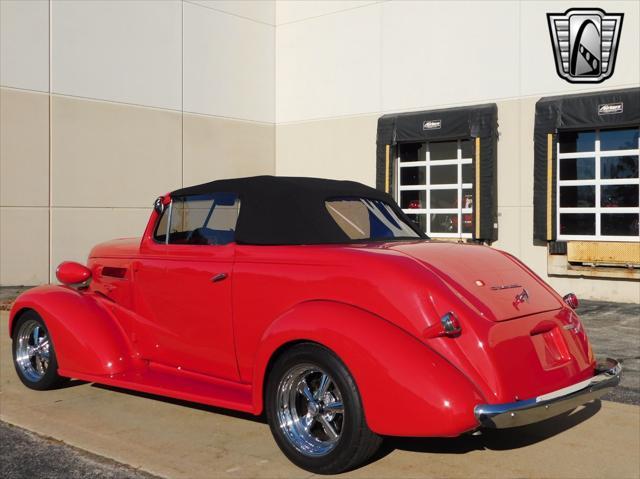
[[366, 219]]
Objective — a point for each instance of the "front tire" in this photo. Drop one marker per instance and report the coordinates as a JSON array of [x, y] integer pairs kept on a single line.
[[315, 413], [33, 354]]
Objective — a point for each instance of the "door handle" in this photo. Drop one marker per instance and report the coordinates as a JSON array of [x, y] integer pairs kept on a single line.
[[218, 277]]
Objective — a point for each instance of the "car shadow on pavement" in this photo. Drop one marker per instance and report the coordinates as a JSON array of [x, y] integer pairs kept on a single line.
[[492, 439]]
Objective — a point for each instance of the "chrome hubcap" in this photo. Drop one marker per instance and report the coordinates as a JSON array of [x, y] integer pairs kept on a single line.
[[310, 410], [32, 350]]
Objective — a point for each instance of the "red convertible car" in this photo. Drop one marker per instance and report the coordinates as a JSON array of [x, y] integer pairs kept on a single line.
[[321, 304]]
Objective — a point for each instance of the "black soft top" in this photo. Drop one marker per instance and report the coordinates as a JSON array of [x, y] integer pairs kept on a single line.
[[279, 210]]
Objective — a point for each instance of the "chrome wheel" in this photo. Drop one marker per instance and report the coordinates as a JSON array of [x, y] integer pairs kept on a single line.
[[310, 410], [32, 352]]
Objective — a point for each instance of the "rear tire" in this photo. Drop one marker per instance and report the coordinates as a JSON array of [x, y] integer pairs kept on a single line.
[[34, 356], [315, 413]]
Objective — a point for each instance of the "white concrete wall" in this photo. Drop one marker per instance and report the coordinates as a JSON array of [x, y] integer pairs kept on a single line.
[[107, 104]]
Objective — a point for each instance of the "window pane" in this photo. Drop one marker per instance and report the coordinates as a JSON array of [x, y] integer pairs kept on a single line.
[[415, 175], [576, 141], [577, 168], [620, 224], [623, 139], [618, 167], [467, 198], [467, 173], [467, 223], [160, 233], [613, 196], [444, 175], [443, 150], [420, 220], [577, 224], [411, 152], [467, 148], [577, 196], [413, 199], [204, 219], [361, 218], [441, 223], [444, 198]]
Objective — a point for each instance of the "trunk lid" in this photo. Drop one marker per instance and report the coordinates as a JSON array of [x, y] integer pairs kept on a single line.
[[491, 281]]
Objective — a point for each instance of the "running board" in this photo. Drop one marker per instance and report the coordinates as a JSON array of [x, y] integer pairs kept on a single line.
[[178, 384]]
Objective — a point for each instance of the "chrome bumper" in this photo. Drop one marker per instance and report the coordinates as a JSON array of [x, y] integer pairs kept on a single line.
[[520, 413]]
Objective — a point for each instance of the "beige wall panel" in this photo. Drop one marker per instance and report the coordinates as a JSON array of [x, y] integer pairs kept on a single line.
[[24, 44], [108, 154], [129, 51], [24, 246], [623, 291], [259, 10], [217, 148], [509, 163], [537, 65], [343, 148], [229, 65], [527, 119], [329, 66], [288, 11], [24, 148], [440, 53], [509, 230], [76, 230]]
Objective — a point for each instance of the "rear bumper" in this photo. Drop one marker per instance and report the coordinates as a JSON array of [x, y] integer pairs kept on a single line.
[[519, 413]]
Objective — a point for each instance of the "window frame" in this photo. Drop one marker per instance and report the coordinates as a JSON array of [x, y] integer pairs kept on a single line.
[[597, 182], [169, 212], [459, 161]]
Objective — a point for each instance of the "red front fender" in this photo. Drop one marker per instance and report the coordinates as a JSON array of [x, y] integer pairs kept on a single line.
[[406, 388], [87, 337]]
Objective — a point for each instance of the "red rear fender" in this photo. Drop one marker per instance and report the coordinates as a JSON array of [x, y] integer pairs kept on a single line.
[[86, 335], [406, 388]]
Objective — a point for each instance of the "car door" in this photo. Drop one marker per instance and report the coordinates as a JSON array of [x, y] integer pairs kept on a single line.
[[186, 287]]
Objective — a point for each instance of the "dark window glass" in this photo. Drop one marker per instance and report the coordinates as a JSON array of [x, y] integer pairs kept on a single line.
[[444, 223], [365, 219], [411, 151], [415, 175], [578, 224], [443, 150], [577, 141], [467, 198], [444, 198], [444, 175], [620, 224], [413, 199], [204, 219], [613, 196], [160, 234], [577, 196], [467, 148], [577, 168], [623, 139], [467, 223], [467, 173], [420, 220], [612, 167]]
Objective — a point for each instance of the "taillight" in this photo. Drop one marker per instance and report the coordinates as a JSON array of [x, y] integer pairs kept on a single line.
[[572, 300], [449, 326]]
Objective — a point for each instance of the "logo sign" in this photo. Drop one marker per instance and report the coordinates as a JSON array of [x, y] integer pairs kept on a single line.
[[431, 124], [585, 43], [610, 108]]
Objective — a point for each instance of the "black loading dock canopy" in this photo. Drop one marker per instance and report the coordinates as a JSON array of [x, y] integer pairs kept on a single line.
[[605, 109], [479, 122]]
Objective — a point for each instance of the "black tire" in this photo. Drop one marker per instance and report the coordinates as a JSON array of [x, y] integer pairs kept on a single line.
[[356, 442], [40, 382]]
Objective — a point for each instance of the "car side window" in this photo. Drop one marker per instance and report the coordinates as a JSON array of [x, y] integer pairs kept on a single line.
[[200, 220]]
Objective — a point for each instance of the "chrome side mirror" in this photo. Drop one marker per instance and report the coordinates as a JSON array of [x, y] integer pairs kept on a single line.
[[158, 205]]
